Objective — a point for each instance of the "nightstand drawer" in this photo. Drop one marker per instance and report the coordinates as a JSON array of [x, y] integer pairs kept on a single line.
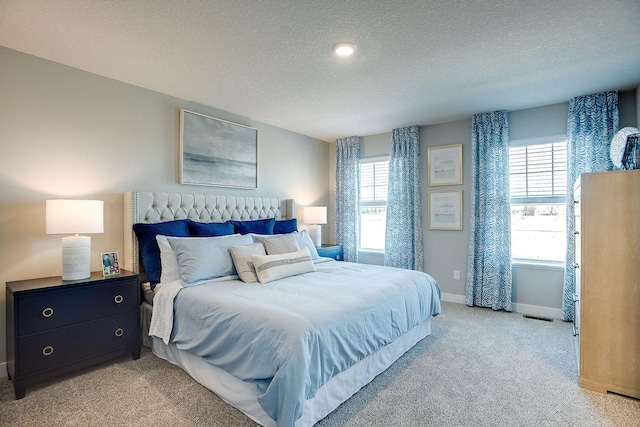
[[65, 345], [60, 307]]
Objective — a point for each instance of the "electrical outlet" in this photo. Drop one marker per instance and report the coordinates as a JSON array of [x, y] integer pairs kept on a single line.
[[456, 274]]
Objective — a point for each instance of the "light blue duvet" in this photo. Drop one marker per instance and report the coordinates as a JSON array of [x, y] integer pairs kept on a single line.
[[291, 336]]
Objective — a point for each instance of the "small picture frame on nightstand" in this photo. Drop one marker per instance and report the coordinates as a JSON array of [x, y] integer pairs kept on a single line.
[[109, 262]]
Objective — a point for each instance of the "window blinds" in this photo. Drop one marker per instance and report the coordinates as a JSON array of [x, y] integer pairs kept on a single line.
[[538, 172], [373, 182]]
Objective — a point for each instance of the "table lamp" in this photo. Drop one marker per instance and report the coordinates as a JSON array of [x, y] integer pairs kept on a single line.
[[75, 217], [315, 215]]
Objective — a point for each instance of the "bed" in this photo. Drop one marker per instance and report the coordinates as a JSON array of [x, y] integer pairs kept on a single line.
[[286, 350]]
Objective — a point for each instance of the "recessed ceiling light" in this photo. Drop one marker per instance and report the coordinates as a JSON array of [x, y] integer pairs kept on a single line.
[[344, 49]]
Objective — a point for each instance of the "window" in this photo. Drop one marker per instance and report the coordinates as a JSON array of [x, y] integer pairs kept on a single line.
[[374, 174], [538, 179]]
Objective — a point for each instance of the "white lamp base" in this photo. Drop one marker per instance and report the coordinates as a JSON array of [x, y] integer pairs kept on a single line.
[[315, 232], [76, 257]]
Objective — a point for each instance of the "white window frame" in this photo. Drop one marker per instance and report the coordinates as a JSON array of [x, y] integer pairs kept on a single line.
[[538, 201], [376, 203]]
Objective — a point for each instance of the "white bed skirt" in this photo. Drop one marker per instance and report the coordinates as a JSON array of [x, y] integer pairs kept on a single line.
[[242, 395]]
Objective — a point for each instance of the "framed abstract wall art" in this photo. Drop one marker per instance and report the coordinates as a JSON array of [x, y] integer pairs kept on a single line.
[[445, 165], [445, 210], [216, 152]]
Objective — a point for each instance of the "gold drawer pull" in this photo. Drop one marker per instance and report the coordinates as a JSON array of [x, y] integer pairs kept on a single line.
[[47, 351], [119, 332], [47, 312], [118, 299]]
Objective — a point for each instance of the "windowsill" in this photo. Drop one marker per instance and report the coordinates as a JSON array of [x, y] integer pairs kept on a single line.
[[371, 251], [532, 263]]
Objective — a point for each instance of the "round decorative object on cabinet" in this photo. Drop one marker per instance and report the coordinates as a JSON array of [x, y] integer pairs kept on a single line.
[[619, 144]]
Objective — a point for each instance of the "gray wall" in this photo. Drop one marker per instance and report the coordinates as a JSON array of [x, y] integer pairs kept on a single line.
[[628, 109], [67, 133], [638, 106], [536, 289]]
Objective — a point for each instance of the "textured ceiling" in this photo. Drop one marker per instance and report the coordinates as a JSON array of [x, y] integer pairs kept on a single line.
[[417, 61]]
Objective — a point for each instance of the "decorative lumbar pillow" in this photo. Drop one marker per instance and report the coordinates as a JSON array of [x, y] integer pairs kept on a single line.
[[258, 226], [210, 229], [285, 226], [274, 267], [204, 258], [282, 244], [149, 250], [244, 264]]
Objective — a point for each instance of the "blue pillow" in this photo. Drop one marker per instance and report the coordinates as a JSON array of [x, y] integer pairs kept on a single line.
[[149, 250], [203, 258], [285, 226], [259, 226], [210, 229]]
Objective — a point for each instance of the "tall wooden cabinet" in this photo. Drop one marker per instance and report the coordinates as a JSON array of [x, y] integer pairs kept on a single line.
[[607, 299]]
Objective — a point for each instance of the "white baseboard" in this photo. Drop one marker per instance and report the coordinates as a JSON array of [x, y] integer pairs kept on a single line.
[[453, 298], [533, 310], [3, 370], [538, 310]]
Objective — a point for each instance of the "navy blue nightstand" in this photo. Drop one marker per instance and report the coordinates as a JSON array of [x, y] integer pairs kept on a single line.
[[331, 251], [56, 326]]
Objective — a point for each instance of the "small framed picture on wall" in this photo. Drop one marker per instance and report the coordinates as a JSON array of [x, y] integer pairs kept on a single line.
[[445, 210], [109, 261], [445, 165]]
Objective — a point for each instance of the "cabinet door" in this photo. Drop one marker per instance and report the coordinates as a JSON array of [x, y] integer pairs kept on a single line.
[[609, 277], [577, 278]]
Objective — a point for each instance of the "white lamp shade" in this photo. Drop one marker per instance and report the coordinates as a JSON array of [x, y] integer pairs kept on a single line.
[[75, 216], [315, 215]]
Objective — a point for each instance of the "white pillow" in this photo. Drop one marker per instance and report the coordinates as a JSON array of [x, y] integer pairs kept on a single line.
[[283, 244], [244, 264], [273, 267], [203, 258], [259, 238], [169, 268], [303, 238], [304, 241]]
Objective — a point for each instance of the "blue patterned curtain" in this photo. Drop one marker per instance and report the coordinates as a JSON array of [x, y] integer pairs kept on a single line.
[[348, 196], [489, 265], [403, 247], [592, 122]]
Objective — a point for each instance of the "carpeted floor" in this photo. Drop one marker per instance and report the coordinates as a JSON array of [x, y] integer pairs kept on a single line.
[[478, 368]]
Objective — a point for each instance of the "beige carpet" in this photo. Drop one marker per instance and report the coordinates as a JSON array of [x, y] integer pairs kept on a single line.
[[478, 368]]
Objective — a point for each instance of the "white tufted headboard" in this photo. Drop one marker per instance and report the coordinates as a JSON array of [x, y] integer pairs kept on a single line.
[[148, 207]]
